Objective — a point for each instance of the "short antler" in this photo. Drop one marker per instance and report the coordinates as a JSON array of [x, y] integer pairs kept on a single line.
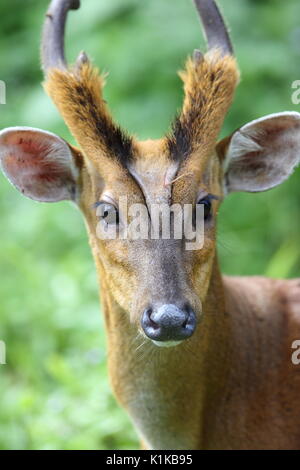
[[215, 29], [53, 33], [78, 93], [209, 84]]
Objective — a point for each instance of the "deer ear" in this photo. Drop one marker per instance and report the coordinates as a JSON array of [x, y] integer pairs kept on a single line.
[[39, 164], [262, 154]]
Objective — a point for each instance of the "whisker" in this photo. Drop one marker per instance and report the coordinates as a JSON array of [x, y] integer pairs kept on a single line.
[[142, 344]]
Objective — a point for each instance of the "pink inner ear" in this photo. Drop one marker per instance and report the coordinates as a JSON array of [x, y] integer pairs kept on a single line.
[[263, 153], [28, 159], [30, 146], [38, 164], [34, 150]]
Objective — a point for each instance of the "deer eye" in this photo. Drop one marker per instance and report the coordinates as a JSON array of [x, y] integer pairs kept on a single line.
[[206, 201], [108, 213]]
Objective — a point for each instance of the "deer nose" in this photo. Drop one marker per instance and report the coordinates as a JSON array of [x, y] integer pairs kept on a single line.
[[168, 323]]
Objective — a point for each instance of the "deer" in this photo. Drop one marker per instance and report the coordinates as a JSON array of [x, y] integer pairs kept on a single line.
[[213, 367]]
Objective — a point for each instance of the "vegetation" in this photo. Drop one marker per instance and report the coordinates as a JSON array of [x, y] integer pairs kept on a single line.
[[54, 391]]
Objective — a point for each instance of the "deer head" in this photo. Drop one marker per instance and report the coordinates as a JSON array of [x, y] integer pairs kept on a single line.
[[159, 285]]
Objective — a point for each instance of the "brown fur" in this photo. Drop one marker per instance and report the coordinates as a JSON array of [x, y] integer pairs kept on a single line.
[[209, 87], [78, 96], [232, 384], [236, 370]]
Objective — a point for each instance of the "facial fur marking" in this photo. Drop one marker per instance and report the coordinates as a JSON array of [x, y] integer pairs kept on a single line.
[[169, 183], [155, 183], [209, 86]]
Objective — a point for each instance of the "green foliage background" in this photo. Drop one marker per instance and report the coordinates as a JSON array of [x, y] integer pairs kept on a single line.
[[54, 391]]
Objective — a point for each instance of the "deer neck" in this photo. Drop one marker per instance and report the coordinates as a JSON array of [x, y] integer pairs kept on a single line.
[[167, 390]]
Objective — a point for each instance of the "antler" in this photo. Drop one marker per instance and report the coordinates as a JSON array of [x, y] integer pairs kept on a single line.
[[77, 92], [52, 51], [215, 29], [209, 84]]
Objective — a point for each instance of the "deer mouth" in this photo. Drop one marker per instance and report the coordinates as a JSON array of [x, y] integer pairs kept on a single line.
[[166, 344]]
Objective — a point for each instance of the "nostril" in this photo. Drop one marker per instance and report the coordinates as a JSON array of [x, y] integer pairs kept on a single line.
[[152, 323], [148, 321], [148, 312], [184, 324], [187, 308]]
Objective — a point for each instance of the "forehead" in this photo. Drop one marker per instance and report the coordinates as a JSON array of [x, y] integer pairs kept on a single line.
[[154, 171], [160, 177]]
